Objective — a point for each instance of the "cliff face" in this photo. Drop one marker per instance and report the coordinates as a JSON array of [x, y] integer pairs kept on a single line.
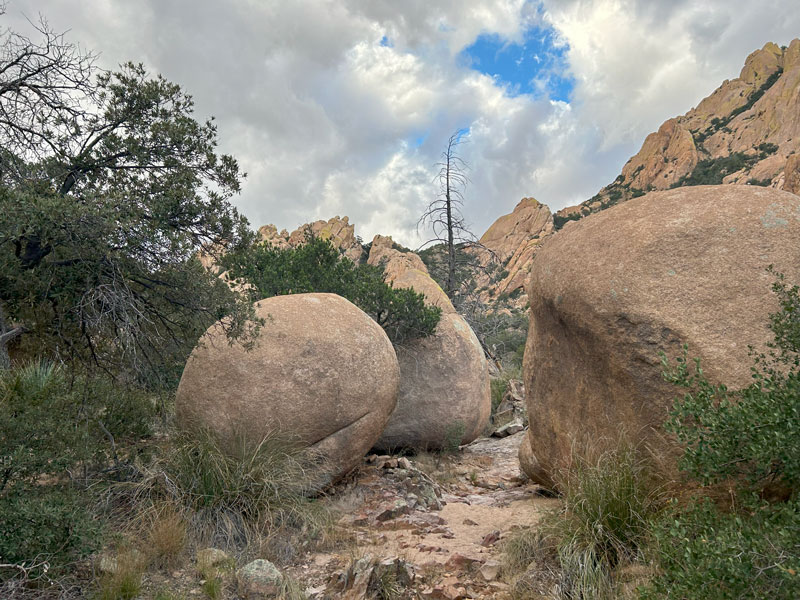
[[746, 132], [514, 239]]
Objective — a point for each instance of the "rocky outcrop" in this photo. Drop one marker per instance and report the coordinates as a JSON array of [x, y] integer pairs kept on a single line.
[[746, 131], [512, 241], [338, 230], [682, 266], [444, 394], [406, 270], [321, 372]]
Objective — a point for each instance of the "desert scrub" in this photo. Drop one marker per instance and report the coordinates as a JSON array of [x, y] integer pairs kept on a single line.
[[610, 498], [58, 430], [249, 498]]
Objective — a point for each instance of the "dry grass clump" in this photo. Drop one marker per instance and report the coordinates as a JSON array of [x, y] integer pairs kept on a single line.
[[167, 536], [123, 577], [252, 499], [610, 499]]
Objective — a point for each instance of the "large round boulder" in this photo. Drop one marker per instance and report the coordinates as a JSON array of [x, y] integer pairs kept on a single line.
[[612, 291], [321, 372], [444, 396]]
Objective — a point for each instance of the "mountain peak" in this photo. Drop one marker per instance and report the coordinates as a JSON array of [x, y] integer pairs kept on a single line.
[[745, 132]]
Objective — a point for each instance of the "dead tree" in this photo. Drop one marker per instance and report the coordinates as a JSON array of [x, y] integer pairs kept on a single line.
[[443, 214]]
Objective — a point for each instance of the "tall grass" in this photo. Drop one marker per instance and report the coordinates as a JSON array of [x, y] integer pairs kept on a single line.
[[249, 498], [610, 498]]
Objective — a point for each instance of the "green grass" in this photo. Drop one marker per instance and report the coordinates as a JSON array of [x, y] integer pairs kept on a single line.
[[249, 498], [610, 498]]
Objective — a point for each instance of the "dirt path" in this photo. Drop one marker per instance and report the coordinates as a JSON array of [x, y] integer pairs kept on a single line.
[[434, 523]]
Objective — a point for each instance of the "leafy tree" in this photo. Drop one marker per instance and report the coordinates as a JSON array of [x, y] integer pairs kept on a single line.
[[108, 189], [317, 266]]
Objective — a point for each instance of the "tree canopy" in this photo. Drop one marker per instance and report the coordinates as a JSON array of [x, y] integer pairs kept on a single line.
[[317, 266], [109, 187]]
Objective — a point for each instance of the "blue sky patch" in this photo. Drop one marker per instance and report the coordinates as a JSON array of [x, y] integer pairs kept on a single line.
[[537, 66]]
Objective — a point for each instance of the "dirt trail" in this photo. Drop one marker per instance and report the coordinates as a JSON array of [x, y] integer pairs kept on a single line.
[[438, 520]]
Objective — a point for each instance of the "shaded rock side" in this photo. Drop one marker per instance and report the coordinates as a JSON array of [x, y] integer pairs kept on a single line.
[[338, 230], [444, 397], [612, 291], [444, 393], [757, 114], [321, 371], [514, 239]]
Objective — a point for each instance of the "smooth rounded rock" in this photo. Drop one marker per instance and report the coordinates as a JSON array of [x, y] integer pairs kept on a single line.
[[444, 398], [321, 371], [612, 291]]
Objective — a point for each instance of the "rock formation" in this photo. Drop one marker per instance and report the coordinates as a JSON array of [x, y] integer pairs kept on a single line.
[[406, 270], [514, 239], [321, 371], [444, 393], [610, 292], [338, 230], [747, 131]]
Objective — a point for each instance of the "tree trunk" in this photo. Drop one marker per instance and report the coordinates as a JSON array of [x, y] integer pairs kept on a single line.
[[6, 335], [451, 251]]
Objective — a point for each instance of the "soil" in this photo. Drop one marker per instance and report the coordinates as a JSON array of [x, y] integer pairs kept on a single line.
[[449, 547]]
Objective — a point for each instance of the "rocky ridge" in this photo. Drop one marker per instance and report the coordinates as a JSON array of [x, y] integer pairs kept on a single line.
[[747, 132], [338, 230], [512, 241]]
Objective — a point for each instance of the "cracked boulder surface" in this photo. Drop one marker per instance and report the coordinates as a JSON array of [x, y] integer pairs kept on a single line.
[[321, 372]]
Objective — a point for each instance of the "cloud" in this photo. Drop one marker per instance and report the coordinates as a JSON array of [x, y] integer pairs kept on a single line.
[[342, 107]]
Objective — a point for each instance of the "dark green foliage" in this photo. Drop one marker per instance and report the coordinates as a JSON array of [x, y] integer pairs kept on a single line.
[[750, 438], [559, 221], [498, 387], [636, 192], [766, 149], [712, 171], [317, 266], [99, 227], [760, 182], [54, 429], [707, 554]]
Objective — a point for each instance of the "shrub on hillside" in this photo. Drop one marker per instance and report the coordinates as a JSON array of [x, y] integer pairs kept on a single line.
[[317, 266]]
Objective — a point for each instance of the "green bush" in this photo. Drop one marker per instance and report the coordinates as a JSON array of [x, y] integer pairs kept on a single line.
[[498, 386], [712, 171], [317, 266], [55, 428], [559, 221], [750, 439], [708, 554]]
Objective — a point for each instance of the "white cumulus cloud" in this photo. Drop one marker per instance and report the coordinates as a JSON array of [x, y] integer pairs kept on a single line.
[[343, 107]]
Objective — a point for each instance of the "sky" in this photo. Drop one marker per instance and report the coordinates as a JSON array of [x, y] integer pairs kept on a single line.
[[343, 107]]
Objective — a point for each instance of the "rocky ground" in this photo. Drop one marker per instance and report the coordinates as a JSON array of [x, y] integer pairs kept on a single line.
[[428, 526], [418, 527]]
